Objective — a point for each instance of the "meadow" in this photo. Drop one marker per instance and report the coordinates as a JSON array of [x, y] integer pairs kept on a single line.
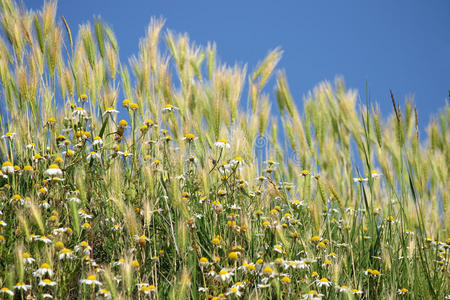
[[170, 175]]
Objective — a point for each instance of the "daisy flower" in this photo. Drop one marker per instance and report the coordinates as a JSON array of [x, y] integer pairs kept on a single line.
[[79, 112], [45, 269], [8, 135], [313, 295], [93, 156], [83, 97], [360, 179], [356, 292], [169, 108], [65, 253], [323, 282], [233, 291], [109, 111], [27, 259], [53, 170], [44, 238], [91, 280], [104, 293], [5, 290], [97, 142], [189, 137], [84, 247], [47, 282], [225, 275], [222, 143], [22, 286], [147, 289], [7, 167], [402, 291]]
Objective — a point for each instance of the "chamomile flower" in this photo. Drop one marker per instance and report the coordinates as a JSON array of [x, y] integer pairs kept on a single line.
[[83, 247], [83, 98], [222, 143], [97, 142], [323, 282], [8, 167], [169, 108], [31, 146], [27, 259], [147, 289], [360, 179], [74, 199], [124, 154], [305, 172], [109, 111], [91, 280], [234, 291], [65, 253], [189, 137], [120, 262], [278, 248], [5, 290], [204, 261], [44, 239], [45, 269], [225, 275], [356, 292], [93, 155], [104, 293], [79, 112], [22, 286], [237, 161], [53, 170], [47, 282], [375, 174], [313, 295], [342, 289], [8, 136]]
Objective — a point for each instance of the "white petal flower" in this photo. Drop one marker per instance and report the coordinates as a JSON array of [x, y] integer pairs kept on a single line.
[[169, 108], [91, 280], [222, 143], [53, 170]]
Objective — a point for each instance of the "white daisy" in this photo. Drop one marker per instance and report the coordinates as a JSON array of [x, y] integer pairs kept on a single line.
[[7, 167], [109, 111], [91, 280], [222, 143], [53, 170], [93, 156], [8, 135], [65, 254], [47, 282], [79, 112], [45, 269], [225, 275], [5, 290], [97, 142], [169, 108]]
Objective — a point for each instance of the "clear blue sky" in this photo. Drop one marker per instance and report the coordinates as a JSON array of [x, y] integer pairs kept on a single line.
[[403, 45]]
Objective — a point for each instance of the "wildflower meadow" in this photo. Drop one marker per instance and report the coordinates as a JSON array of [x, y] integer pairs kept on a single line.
[[174, 175]]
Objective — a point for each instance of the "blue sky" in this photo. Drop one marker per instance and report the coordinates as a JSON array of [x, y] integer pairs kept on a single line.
[[400, 45]]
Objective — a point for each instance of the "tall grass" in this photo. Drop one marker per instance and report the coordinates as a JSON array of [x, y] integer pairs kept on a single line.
[[188, 188]]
